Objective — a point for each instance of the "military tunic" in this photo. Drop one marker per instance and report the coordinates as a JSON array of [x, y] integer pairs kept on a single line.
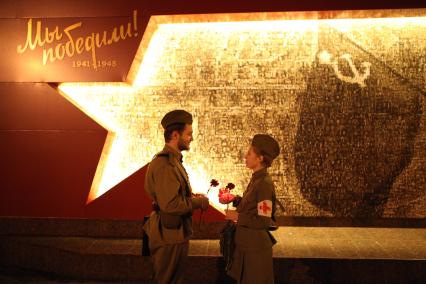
[[170, 227], [252, 258]]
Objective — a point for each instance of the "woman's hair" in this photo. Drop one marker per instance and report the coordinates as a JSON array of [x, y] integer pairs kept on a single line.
[[179, 127], [267, 160]]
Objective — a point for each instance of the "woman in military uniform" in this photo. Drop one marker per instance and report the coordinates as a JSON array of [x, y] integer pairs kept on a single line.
[[252, 257]]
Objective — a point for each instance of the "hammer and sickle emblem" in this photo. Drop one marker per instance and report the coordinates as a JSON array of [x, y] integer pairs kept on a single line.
[[326, 58]]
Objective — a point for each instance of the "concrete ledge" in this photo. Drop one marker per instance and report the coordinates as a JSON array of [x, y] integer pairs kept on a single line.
[[73, 264], [26, 226], [77, 262], [352, 222]]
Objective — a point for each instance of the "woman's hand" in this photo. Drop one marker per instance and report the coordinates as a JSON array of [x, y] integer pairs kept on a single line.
[[231, 215]]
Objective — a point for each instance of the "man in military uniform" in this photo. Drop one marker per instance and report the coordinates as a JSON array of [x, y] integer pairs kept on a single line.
[[169, 227]]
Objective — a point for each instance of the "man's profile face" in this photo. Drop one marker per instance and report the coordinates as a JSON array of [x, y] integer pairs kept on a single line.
[[185, 138]]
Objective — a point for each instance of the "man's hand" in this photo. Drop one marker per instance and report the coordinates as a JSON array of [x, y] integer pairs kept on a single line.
[[231, 215], [200, 202]]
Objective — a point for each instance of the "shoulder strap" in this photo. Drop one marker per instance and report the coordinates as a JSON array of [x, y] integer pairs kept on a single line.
[[276, 201], [185, 175], [176, 164]]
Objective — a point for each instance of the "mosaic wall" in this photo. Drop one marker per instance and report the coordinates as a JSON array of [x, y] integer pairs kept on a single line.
[[344, 98]]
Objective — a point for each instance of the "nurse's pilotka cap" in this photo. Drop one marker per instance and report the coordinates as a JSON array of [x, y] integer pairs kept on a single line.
[[176, 116], [266, 144]]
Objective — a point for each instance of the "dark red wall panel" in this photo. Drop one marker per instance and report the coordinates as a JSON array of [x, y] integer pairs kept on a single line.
[[49, 153], [49, 149]]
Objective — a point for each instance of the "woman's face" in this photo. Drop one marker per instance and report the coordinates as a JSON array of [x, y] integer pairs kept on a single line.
[[253, 161]]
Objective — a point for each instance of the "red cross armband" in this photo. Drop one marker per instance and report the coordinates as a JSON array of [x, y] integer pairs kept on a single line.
[[264, 208]]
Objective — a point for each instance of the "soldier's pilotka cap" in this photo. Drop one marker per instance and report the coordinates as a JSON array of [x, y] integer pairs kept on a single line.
[[266, 144], [176, 116]]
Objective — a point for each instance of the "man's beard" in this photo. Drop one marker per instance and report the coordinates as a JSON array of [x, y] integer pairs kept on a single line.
[[182, 145]]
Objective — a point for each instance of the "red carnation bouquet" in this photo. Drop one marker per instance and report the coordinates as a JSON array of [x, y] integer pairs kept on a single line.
[[225, 195]]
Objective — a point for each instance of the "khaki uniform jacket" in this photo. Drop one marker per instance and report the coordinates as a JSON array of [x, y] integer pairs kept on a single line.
[[252, 229], [252, 258], [167, 184]]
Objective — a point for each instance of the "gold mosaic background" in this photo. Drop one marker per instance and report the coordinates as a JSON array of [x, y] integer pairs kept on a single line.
[[348, 149], [344, 98]]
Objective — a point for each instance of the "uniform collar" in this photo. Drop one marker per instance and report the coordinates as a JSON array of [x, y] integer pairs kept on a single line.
[[260, 173], [176, 154]]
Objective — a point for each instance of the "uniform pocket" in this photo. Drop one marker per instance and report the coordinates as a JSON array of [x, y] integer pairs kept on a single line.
[[170, 221]]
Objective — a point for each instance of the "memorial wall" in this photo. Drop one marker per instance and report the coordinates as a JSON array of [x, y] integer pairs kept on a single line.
[[343, 92]]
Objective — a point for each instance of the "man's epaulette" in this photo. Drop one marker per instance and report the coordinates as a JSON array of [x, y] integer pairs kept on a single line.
[[165, 154]]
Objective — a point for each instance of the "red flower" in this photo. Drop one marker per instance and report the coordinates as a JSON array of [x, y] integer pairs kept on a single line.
[[226, 197], [214, 183], [230, 186]]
